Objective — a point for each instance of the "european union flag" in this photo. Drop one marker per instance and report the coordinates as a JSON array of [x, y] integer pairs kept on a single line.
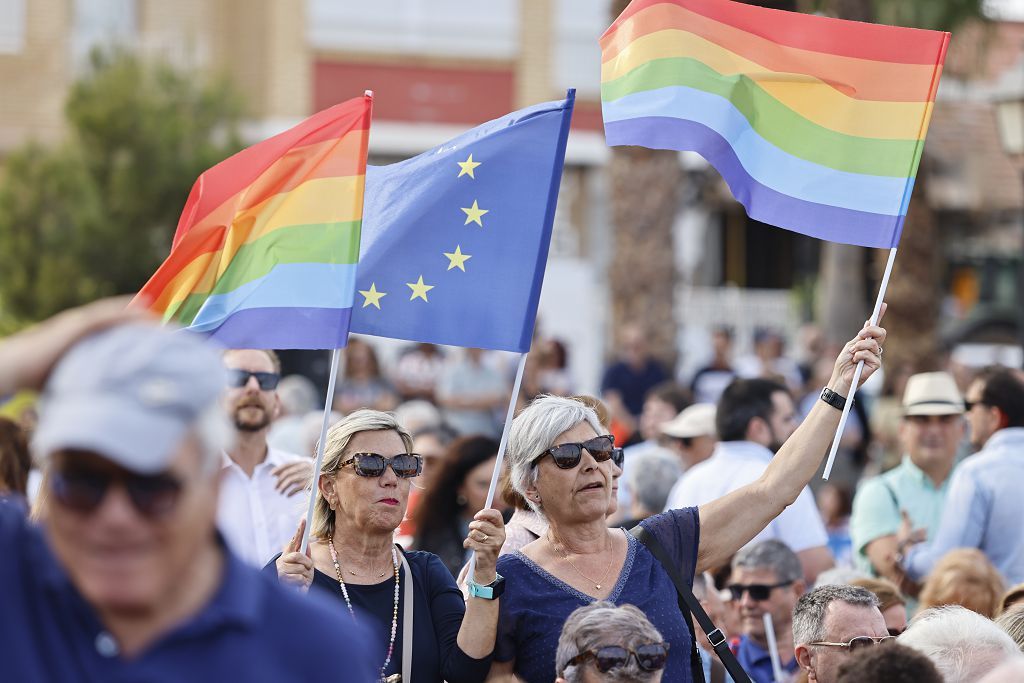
[[455, 240]]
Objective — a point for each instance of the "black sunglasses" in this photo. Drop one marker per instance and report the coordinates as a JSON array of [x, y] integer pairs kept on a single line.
[[568, 455], [860, 642], [404, 465], [758, 591], [649, 657], [83, 489], [266, 380]]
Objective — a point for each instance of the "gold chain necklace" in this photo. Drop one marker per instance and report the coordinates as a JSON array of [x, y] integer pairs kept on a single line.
[[565, 556]]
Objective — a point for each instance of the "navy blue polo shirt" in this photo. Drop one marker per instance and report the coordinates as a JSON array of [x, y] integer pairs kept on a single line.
[[252, 629], [758, 663]]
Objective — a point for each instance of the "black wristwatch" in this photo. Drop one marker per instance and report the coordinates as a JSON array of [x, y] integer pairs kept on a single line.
[[833, 399]]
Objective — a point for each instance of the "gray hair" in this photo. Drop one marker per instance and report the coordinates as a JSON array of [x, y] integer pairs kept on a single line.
[[651, 476], [1012, 621], [771, 554], [534, 431], [599, 624], [962, 644], [338, 438], [811, 608], [298, 395], [702, 583], [418, 415]]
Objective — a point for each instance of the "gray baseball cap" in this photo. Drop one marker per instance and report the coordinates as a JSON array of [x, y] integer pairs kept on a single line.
[[130, 394]]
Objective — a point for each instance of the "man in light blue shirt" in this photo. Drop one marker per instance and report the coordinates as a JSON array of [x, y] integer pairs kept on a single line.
[[985, 505], [930, 433]]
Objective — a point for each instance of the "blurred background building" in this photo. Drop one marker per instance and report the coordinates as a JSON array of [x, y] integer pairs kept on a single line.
[[439, 67]]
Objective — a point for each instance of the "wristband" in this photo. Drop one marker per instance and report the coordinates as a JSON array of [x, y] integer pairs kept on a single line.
[[491, 591]]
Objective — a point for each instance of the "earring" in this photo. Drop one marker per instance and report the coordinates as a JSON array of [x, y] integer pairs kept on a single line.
[[460, 500]]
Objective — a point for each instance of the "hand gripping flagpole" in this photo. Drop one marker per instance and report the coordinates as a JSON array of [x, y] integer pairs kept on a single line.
[[860, 368], [320, 448], [499, 462]]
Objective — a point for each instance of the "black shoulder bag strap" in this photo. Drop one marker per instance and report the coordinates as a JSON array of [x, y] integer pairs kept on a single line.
[[690, 607]]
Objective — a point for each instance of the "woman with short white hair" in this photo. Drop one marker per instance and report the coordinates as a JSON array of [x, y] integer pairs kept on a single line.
[[962, 644], [562, 464], [602, 642]]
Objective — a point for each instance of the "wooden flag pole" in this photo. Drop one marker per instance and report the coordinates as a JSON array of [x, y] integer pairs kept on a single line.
[[860, 368], [500, 461], [320, 448]]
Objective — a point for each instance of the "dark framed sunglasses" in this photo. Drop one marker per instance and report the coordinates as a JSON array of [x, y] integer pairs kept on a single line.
[[239, 378], [83, 489], [860, 642], [404, 465], [568, 455], [758, 591], [649, 657]]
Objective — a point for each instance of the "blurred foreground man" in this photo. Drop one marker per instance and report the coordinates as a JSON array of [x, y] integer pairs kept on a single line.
[[128, 580]]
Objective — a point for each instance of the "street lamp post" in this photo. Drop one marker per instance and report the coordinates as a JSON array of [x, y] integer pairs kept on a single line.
[[1009, 105]]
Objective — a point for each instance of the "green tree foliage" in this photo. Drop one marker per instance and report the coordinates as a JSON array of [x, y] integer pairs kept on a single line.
[[941, 15], [95, 216]]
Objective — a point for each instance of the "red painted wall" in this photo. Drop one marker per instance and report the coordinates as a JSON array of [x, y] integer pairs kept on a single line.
[[430, 94], [406, 92]]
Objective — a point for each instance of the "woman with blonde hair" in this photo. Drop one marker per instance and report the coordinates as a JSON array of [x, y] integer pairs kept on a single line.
[[361, 498], [1012, 621], [964, 577]]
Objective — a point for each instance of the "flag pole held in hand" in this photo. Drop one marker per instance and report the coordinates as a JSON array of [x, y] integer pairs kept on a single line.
[[875, 314]]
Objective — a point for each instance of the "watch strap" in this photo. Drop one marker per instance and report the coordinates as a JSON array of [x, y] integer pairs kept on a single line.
[[835, 400], [491, 591]]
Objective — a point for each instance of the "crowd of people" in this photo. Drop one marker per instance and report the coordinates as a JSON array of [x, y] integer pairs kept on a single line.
[[153, 508]]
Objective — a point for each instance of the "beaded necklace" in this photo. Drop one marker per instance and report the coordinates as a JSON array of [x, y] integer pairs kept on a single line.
[[348, 603]]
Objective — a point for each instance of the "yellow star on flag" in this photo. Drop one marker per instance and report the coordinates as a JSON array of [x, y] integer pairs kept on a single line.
[[372, 296], [419, 290], [474, 213], [457, 259], [467, 167]]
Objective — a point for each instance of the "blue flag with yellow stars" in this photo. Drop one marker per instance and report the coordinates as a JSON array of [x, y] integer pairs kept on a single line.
[[455, 240]]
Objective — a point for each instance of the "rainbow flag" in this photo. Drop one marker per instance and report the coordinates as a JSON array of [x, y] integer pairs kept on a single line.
[[265, 251], [816, 124]]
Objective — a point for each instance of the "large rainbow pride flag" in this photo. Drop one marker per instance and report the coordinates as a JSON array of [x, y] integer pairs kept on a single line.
[[816, 124], [266, 248]]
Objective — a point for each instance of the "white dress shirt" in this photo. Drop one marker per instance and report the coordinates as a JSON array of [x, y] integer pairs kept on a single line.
[[256, 519], [737, 463]]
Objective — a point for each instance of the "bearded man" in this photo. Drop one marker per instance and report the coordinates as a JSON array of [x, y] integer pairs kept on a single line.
[[263, 490]]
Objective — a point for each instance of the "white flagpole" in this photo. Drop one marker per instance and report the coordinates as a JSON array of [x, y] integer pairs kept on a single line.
[[499, 462], [773, 647], [320, 448], [860, 367]]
